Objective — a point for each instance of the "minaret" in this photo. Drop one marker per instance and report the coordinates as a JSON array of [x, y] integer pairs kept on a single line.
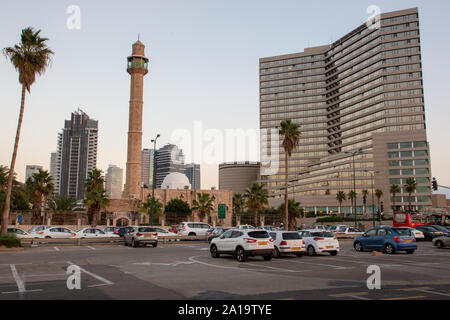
[[137, 68]]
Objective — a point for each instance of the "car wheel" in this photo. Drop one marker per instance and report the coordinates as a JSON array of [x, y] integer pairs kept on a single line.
[[358, 246], [268, 257], [48, 237], [311, 251], [155, 245], [240, 254], [191, 234], [389, 249], [276, 253], [334, 253], [440, 244], [214, 252], [410, 251]]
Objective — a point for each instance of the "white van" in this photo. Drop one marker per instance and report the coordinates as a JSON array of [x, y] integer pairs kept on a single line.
[[194, 228]]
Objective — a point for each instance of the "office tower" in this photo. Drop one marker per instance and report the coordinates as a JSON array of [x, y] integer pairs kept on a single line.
[[147, 167], [168, 159], [238, 176], [364, 91], [192, 171], [30, 170], [76, 154], [113, 182], [137, 67], [54, 171]]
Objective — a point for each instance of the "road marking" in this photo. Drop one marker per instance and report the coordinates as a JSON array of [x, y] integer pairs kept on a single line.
[[164, 264], [92, 248], [435, 292], [17, 264], [319, 264], [19, 282], [274, 268], [426, 290], [358, 297], [93, 275], [405, 298], [347, 294], [34, 290], [413, 289], [56, 248]]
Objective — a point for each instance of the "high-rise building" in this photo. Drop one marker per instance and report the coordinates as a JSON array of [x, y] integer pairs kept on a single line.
[[30, 170], [192, 171], [238, 176], [363, 92], [168, 159], [76, 154], [137, 67], [113, 182], [147, 167], [54, 170]]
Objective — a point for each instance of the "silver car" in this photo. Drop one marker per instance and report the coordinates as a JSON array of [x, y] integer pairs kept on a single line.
[[441, 242], [141, 235]]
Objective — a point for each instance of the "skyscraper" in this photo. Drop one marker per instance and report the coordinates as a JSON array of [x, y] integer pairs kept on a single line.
[[137, 67], [54, 171], [30, 170], [147, 167], [362, 92], [76, 154], [168, 159], [113, 182], [192, 171]]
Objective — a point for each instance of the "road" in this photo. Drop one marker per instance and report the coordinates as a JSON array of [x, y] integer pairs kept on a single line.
[[187, 271]]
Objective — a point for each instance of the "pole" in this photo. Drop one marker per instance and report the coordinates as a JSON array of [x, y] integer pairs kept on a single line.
[[373, 200], [354, 191]]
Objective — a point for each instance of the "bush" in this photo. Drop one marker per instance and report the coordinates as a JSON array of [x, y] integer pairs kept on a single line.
[[9, 240]]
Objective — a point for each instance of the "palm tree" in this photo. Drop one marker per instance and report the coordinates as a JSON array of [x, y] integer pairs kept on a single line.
[[30, 57], [204, 205], [351, 196], [378, 194], [410, 187], [291, 138], [256, 197], [95, 197], [295, 211], [40, 186], [3, 177], [238, 204], [394, 190], [59, 203], [340, 197], [147, 207], [365, 193]]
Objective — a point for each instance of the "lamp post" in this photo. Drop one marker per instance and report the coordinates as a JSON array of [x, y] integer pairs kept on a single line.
[[372, 174], [154, 176], [353, 154]]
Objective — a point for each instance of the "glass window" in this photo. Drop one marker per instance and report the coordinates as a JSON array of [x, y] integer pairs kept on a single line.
[[405, 145], [258, 234], [423, 189], [421, 171], [407, 172], [395, 172], [236, 234], [422, 180], [395, 181], [290, 236], [274, 235], [371, 232], [392, 145], [421, 162], [393, 154], [406, 154], [420, 153], [423, 199], [394, 163], [227, 234], [420, 144], [382, 232], [407, 163]]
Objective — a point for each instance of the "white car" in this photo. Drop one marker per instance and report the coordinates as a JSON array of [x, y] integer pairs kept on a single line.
[[164, 233], [269, 228], [21, 234], [336, 229], [418, 235], [89, 233], [244, 227], [350, 231], [194, 228], [319, 241], [242, 244], [56, 233], [141, 235], [37, 229], [319, 228], [288, 242]]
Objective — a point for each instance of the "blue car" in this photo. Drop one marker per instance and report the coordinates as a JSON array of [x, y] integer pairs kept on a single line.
[[387, 239], [123, 230]]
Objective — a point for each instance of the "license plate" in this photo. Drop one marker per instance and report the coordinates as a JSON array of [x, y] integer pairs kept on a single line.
[[330, 247], [408, 240], [147, 235], [263, 243], [296, 248]]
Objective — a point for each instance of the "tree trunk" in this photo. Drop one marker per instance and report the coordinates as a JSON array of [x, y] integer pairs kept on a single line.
[[5, 214], [286, 209], [94, 217], [255, 217]]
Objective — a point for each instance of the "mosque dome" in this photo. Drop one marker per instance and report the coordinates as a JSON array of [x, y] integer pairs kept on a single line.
[[175, 180]]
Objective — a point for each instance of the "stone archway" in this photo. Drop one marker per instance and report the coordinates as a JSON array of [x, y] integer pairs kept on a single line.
[[122, 222]]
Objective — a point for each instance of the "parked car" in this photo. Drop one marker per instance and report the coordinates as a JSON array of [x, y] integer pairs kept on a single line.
[[319, 228], [387, 239], [441, 228], [90, 233], [243, 243], [111, 230], [287, 242], [418, 235], [163, 232], [123, 230], [37, 229], [351, 231], [319, 241], [194, 228], [56, 233], [141, 235], [175, 228], [336, 229], [244, 227], [216, 232], [441, 242], [269, 228], [429, 232], [20, 233]]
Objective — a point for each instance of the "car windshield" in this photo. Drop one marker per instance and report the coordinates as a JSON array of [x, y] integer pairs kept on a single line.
[[440, 228], [323, 234], [291, 236], [259, 234], [147, 230], [403, 231]]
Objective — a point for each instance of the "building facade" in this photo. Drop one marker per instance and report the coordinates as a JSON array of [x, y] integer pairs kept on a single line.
[[192, 171], [169, 159], [238, 176], [360, 98], [31, 169], [76, 154], [113, 182], [148, 156]]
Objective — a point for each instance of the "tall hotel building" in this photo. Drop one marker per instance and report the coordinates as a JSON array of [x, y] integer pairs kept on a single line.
[[364, 91], [147, 167], [168, 159]]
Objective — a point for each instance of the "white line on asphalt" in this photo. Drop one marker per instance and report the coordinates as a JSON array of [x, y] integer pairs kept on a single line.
[[17, 264], [274, 268], [56, 248], [318, 264], [92, 248], [434, 292], [19, 282], [93, 274], [357, 297], [34, 290], [164, 264]]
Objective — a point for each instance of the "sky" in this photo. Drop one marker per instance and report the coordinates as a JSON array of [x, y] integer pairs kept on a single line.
[[203, 69]]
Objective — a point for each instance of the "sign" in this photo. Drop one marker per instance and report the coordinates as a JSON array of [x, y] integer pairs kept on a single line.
[[222, 209], [19, 219]]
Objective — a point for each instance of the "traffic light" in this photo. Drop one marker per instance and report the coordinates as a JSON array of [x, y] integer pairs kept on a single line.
[[435, 184]]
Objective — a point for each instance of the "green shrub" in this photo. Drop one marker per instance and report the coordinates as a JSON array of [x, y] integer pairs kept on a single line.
[[9, 240]]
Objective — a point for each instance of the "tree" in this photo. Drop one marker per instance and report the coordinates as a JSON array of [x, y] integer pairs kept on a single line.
[[340, 197], [295, 211], [238, 204], [95, 195], [410, 187], [39, 186], [256, 196], [291, 138], [147, 207], [30, 57], [59, 203], [177, 206], [204, 205], [394, 190], [19, 198], [378, 194], [365, 193], [351, 196]]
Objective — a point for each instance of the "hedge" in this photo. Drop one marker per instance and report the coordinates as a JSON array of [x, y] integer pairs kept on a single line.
[[9, 240]]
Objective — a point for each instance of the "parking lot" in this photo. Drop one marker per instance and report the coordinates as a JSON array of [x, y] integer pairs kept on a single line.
[[185, 270]]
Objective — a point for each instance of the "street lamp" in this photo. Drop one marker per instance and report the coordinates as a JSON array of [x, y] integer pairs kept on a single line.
[[353, 154], [154, 176], [373, 197]]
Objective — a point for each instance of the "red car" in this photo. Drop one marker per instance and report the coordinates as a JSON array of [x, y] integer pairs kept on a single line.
[[174, 228]]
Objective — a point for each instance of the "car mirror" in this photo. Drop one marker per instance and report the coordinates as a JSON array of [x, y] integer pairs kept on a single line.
[[365, 235]]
